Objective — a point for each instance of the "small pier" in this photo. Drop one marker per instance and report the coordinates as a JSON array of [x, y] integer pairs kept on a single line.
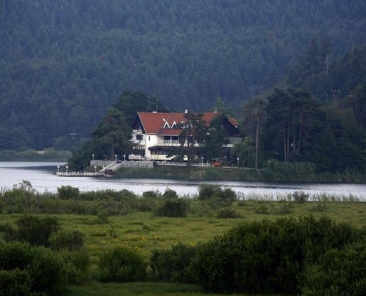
[[79, 174]]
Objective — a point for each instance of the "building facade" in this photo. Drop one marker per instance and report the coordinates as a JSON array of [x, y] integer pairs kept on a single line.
[[155, 134]]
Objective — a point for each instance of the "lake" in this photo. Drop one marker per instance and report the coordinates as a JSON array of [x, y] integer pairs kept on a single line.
[[42, 176]]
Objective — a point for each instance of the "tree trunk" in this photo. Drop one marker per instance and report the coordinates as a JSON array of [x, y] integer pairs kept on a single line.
[[256, 143], [112, 152]]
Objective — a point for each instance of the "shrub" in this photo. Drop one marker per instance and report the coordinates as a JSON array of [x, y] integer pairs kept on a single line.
[[227, 213], [262, 209], [14, 282], [300, 196], [173, 208], [170, 194], [284, 208], [41, 270], [77, 264], [48, 272], [267, 257], [208, 192], [173, 265], [320, 207], [151, 193], [122, 265], [338, 272], [33, 230], [8, 232], [14, 255], [71, 240], [68, 192]]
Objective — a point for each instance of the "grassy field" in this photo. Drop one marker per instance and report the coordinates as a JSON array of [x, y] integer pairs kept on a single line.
[[145, 232]]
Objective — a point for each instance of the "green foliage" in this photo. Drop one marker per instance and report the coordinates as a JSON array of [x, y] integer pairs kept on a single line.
[[36, 230], [122, 265], [151, 193], [77, 265], [208, 191], [71, 240], [290, 171], [338, 272], [170, 194], [175, 208], [193, 44], [40, 269], [300, 196], [228, 213], [111, 133], [215, 196], [15, 282], [173, 265], [68, 192], [267, 257]]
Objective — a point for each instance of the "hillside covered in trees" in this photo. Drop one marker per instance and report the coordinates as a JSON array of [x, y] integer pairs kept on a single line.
[[64, 63]]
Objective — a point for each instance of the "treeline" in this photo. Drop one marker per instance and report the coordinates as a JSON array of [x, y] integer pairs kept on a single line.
[[62, 63], [318, 116]]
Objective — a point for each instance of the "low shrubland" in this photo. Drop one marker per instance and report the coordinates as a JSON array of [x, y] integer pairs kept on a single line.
[[213, 242]]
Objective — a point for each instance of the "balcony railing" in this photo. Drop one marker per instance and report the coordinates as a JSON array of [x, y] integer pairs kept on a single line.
[[169, 143]]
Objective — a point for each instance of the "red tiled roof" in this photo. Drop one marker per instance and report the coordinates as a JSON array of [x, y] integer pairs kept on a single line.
[[164, 123], [154, 122], [233, 121], [170, 132]]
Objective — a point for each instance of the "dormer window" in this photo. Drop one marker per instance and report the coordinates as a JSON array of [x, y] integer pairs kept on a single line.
[[166, 124]]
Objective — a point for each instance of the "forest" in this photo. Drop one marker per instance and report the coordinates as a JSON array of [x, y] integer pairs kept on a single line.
[[64, 63]]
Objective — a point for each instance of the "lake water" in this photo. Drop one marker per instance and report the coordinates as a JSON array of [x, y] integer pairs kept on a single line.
[[43, 179]]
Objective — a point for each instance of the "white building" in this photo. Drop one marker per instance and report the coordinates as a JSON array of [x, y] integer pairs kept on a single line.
[[155, 134]]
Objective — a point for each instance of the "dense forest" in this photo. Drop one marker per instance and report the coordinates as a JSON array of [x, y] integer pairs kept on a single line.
[[64, 63]]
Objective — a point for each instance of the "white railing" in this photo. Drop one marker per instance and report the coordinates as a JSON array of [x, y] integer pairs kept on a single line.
[[78, 174], [168, 163], [169, 143]]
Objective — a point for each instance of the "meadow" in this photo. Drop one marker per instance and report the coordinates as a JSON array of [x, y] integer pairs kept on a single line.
[[144, 231]]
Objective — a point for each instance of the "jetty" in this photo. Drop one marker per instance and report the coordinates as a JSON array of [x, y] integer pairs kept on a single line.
[[108, 168]]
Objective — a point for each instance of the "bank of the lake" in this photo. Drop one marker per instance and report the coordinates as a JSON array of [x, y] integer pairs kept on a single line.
[[191, 173], [239, 174]]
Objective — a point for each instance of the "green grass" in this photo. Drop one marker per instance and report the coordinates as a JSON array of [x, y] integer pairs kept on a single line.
[[144, 232]]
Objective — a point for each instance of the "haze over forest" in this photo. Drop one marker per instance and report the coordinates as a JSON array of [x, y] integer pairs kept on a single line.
[[63, 63]]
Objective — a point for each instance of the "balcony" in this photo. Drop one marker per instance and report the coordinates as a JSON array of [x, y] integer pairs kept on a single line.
[[171, 143]]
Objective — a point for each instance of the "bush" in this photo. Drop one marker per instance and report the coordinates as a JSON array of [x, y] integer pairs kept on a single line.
[[122, 265], [300, 196], [267, 257], [68, 192], [41, 270], [151, 193], [173, 208], [173, 265], [170, 194], [207, 191], [340, 272], [227, 213], [77, 265], [14, 282], [71, 240], [215, 196], [33, 230], [8, 232]]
